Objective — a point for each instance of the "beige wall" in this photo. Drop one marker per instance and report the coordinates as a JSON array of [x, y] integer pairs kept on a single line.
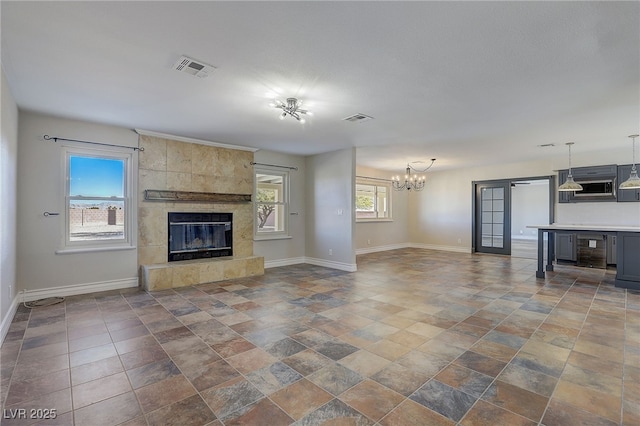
[[40, 189], [287, 250], [370, 236], [444, 214], [439, 216], [167, 164], [330, 225], [8, 197]]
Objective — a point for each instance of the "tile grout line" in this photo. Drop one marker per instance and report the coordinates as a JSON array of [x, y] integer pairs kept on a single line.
[[567, 361], [133, 390], [4, 398], [546, 408], [514, 356], [378, 287], [221, 358]]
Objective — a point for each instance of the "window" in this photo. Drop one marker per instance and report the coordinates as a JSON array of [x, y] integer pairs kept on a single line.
[[97, 199], [271, 203], [373, 201]]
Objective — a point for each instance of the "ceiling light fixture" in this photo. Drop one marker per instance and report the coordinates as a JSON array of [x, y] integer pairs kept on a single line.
[[634, 181], [570, 184], [411, 182], [292, 108]]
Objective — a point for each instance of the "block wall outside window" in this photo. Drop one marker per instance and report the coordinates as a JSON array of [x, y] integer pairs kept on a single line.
[[97, 197]]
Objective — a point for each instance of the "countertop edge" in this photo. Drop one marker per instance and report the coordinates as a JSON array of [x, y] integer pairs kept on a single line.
[[609, 228]]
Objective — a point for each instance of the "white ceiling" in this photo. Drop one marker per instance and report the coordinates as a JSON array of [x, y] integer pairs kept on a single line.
[[464, 82]]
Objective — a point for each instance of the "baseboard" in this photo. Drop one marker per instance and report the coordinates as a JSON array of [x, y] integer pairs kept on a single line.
[[352, 267], [311, 261], [376, 249], [72, 290], [457, 249], [349, 267], [283, 262], [8, 318]]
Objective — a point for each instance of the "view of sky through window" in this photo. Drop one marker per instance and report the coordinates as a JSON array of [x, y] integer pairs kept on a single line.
[[96, 177]]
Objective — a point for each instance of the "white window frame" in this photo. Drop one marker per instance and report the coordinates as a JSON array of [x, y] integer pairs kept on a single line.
[[375, 183], [272, 235], [129, 200]]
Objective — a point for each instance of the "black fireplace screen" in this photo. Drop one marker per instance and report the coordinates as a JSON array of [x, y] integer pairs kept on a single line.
[[200, 235]]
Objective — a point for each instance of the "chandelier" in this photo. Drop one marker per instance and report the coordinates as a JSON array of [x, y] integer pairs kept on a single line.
[[292, 108], [411, 182]]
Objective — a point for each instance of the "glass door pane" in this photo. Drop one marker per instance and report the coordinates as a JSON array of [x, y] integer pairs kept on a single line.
[[492, 217]]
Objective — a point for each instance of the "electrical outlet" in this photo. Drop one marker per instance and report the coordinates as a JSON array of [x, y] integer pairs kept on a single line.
[[330, 252], [368, 242], [10, 292], [459, 240]]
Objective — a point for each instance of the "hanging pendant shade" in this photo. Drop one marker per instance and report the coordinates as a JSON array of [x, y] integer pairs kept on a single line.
[[634, 181], [570, 184]]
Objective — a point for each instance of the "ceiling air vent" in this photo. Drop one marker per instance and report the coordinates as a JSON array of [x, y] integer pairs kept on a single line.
[[193, 67], [357, 118]]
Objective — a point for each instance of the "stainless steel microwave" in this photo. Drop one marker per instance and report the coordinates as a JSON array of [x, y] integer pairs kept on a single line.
[[596, 189]]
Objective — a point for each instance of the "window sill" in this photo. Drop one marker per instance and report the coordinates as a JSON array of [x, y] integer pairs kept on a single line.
[[76, 250], [373, 220], [272, 237]]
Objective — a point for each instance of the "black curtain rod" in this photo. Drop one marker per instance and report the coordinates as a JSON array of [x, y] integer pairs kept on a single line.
[[273, 165], [56, 139]]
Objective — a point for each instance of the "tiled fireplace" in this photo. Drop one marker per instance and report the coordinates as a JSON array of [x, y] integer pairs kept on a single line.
[[170, 165]]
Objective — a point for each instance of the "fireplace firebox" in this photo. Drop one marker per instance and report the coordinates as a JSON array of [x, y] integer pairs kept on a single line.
[[200, 235]]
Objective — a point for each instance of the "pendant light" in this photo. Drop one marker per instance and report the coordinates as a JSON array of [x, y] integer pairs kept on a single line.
[[570, 184], [634, 181]]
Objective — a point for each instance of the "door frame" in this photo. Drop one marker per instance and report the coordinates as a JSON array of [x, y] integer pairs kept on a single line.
[[474, 207]]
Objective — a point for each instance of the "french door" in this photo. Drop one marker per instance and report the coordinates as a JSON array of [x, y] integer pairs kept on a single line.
[[493, 217]]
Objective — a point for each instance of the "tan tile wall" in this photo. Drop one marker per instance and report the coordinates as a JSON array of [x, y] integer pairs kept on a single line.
[[173, 165]]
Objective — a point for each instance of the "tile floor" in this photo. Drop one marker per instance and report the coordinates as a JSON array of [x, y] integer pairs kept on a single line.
[[415, 337]]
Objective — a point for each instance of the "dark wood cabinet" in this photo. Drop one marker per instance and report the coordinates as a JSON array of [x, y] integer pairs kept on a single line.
[[563, 197], [628, 267], [599, 183], [566, 246], [626, 195], [612, 249]]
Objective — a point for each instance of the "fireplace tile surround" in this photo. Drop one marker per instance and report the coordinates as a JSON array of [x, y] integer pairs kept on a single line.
[[172, 165]]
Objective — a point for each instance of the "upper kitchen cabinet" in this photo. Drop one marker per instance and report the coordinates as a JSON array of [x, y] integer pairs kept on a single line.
[[599, 183], [626, 195]]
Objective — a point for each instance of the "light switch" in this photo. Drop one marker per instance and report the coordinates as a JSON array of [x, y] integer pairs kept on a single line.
[[593, 243]]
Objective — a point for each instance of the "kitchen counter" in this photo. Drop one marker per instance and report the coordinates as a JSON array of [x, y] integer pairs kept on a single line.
[[628, 249], [593, 228]]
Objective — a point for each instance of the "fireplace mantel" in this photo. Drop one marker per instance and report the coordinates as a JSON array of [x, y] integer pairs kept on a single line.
[[177, 176], [189, 196]]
